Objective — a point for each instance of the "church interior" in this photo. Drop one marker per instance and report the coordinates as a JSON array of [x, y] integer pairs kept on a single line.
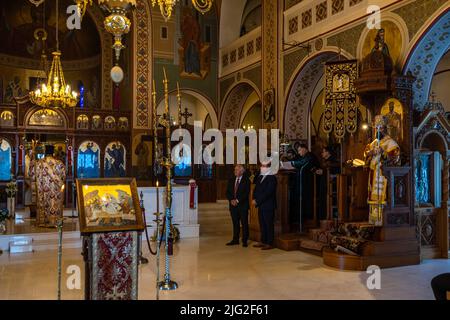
[[99, 201]]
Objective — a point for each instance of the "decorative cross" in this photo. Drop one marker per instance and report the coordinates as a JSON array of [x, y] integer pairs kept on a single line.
[[186, 115], [115, 295]]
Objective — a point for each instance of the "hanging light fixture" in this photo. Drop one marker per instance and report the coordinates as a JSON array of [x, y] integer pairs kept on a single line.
[[116, 23], [166, 6], [56, 93]]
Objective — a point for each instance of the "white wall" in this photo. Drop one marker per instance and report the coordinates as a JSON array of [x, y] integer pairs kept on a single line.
[[441, 82], [230, 21]]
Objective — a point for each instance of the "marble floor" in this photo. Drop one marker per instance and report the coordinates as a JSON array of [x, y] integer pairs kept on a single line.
[[206, 269]]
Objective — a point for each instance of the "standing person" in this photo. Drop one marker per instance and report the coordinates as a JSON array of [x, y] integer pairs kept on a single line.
[[265, 199], [238, 191], [329, 166], [306, 165]]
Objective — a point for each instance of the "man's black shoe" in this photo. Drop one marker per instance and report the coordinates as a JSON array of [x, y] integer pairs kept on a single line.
[[245, 245], [232, 243]]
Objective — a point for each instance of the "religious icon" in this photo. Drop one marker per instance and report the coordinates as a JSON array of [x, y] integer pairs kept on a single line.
[[194, 54], [394, 112], [109, 205], [115, 160], [341, 82], [380, 44], [142, 151], [269, 106]]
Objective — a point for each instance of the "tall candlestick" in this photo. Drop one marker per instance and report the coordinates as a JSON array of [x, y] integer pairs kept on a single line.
[[166, 96], [157, 198]]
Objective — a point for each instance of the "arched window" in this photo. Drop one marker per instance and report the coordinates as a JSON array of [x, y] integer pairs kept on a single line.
[[110, 122], [97, 122], [5, 160], [123, 123], [115, 160], [88, 161], [82, 122]]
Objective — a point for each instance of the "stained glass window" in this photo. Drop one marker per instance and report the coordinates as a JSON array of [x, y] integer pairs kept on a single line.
[[5, 160]]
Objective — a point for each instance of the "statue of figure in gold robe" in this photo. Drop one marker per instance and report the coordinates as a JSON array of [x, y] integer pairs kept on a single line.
[[50, 176], [383, 149]]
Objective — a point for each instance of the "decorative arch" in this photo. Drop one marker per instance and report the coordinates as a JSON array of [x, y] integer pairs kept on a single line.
[[203, 99], [425, 53], [229, 29], [399, 23], [234, 102], [34, 112], [142, 68], [304, 87]]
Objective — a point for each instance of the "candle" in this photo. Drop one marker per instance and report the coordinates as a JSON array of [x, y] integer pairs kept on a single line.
[[157, 197]]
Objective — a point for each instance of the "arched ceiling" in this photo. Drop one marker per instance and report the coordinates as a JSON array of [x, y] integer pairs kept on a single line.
[[20, 19]]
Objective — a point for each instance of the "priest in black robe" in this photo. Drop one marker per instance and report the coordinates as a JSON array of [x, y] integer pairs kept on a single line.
[[302, 189], [329, 166]]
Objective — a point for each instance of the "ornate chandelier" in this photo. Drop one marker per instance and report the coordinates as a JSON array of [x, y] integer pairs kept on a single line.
[[116, 23], [56, 93], [166, 6]]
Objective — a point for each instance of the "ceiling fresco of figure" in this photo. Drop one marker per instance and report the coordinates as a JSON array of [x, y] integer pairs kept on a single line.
[[21, 31]]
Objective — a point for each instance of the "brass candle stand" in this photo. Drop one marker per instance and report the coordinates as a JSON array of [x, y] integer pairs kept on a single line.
[[167, 283]]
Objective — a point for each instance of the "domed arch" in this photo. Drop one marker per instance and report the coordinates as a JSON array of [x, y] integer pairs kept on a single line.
[[426, 51], [234, 102], [305, 86]]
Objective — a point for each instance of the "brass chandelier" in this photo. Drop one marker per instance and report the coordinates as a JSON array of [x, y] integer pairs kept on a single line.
[[56, 93], [117, 23], [166, 6]]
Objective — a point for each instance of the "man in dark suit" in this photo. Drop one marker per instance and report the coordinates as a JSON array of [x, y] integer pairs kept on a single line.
[[238, 191], [265, 199]]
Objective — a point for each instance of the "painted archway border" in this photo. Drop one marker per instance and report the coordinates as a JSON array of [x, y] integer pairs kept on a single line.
[[234, 101], [425, 52], [142, 67], [302, 86]]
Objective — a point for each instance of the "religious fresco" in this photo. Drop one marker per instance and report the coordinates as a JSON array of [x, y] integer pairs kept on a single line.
[[5, 160], [393, 111], [388, 39], [115, 160], [88, 161], [46, 117], [195, 55]]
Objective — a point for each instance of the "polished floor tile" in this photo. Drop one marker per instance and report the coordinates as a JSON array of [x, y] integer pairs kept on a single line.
[[207, 269]]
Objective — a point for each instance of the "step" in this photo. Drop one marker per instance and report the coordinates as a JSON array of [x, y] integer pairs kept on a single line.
[[44, 245], [374, 248], [20, 244], [312, 245]]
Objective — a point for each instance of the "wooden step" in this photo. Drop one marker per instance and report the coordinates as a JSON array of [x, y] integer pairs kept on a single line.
[[344, 261], [288, 242], [373, 248], [396, 233]]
